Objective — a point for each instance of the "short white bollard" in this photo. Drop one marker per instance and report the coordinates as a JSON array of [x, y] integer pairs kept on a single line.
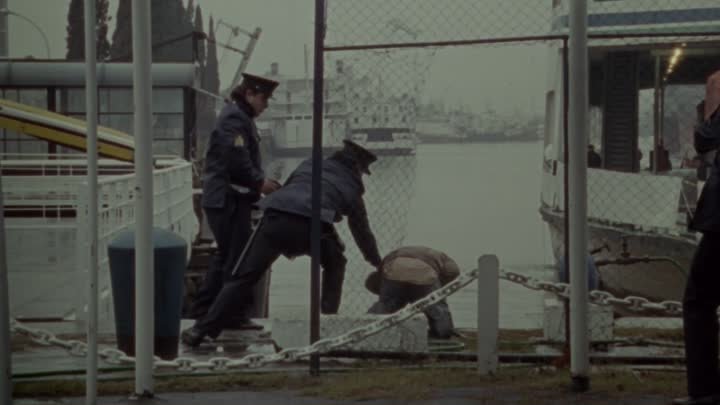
[[488, 314]]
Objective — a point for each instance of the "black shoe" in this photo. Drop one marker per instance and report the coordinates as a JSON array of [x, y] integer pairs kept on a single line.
[[707, 400], [192, 337], [243, 324]]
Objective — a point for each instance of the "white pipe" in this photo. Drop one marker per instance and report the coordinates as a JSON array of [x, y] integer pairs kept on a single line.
[[488, 314], [144, 277], [5, 353], [578, 61], [91, 117]]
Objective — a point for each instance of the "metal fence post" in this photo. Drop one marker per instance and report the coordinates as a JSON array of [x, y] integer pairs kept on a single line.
[[91, 118], [5, 352], [579, 346], [144, 278], [316, 182], [488, 313]]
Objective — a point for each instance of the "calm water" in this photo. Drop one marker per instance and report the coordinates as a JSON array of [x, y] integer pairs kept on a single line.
[[466, 200]]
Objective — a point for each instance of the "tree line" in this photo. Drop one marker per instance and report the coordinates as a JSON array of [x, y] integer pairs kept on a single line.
[[177, 36]]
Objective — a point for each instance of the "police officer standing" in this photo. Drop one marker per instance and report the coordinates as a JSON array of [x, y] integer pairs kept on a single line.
[[285, 229], [701, 300], [233, 181], [408, 274]]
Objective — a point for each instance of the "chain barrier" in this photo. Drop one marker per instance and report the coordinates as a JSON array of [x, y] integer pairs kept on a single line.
[[604, 298], [185, 364]]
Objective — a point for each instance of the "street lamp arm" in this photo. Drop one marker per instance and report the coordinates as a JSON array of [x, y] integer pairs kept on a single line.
[[37, 27]]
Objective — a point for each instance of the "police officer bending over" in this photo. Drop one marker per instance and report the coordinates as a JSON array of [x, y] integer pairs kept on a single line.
[[233, 181], [285, 230], [409, 274], [701, 299]]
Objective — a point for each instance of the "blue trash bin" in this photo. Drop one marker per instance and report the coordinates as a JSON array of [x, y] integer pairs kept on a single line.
[[170, 253]]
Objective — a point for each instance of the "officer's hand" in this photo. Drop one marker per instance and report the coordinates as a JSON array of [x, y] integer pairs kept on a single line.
[[269, 186]]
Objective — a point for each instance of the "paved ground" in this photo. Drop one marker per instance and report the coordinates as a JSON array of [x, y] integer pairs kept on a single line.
[[446, 397], [32, 362]]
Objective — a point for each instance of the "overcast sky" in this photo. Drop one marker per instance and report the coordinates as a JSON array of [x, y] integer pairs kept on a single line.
[[505, 78]]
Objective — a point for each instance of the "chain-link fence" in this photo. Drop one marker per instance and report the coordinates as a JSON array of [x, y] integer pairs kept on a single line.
[[648, 64], [465, 104]]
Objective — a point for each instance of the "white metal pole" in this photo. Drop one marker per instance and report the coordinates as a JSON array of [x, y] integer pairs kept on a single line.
[[578, 86], [488, 314], [5, 352], [144, 277], [91, 117]]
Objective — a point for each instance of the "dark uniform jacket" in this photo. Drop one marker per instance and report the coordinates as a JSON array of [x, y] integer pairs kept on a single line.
[[342, 191], [233, 157], [707, 214]]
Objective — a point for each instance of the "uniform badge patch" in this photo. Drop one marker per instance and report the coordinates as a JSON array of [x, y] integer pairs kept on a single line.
[[239, 140]]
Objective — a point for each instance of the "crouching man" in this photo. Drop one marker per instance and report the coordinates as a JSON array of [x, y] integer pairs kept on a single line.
[[409, 274]]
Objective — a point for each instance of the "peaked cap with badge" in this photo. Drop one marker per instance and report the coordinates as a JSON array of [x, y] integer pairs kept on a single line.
[[260, 84]]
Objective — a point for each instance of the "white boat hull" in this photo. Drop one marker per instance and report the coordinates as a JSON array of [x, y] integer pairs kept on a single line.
[[656, 280]]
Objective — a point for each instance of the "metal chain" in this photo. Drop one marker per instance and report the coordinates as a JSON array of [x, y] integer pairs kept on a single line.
[[114, 356], [604, 298], [185, 364]]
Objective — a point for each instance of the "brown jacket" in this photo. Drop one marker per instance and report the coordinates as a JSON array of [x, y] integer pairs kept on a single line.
[[419, 265]]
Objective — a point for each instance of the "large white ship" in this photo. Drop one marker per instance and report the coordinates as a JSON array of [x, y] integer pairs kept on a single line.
[[355, 108], [288, 119]]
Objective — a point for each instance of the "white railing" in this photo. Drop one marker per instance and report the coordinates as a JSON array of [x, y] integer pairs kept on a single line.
[[47, 231]]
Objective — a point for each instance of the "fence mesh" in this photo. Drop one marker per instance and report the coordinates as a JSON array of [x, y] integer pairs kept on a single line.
[[445, 92], [648, 64]]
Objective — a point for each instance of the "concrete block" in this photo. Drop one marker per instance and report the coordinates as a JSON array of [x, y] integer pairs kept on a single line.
[[600, 322], [409, 336]]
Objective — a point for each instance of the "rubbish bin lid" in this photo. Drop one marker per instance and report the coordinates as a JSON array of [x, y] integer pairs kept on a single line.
[[162, 238]]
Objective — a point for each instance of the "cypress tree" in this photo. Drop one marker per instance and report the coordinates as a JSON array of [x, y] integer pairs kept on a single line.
[[103, 45], [76, 30], [199, 28], [121, 48], [190, 12], [169, 21], [211, 80]]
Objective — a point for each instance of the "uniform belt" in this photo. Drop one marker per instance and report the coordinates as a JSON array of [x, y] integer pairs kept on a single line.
[[240, 189]]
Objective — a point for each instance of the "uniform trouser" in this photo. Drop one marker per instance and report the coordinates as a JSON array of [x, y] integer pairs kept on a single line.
[[700, 320], [231, 226], [278, 234], [395, 295]]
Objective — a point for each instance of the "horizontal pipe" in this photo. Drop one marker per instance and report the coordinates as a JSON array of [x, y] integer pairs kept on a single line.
[[530, 38]]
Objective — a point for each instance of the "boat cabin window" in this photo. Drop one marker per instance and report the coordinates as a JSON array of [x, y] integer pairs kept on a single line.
[[673, 130], [550, 117]]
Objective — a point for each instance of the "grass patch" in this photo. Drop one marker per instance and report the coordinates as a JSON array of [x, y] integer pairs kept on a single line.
[[397, 383], [509, 340], [674, 335]]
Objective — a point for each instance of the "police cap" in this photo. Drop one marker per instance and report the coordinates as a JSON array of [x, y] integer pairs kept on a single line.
[[259, 84], [363, 156]]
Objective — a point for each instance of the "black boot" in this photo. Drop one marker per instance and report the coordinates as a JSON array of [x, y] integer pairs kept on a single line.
[[242, 324], [192, 337]]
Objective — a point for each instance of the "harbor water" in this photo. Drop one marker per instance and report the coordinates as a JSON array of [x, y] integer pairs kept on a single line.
[[464, 199]]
